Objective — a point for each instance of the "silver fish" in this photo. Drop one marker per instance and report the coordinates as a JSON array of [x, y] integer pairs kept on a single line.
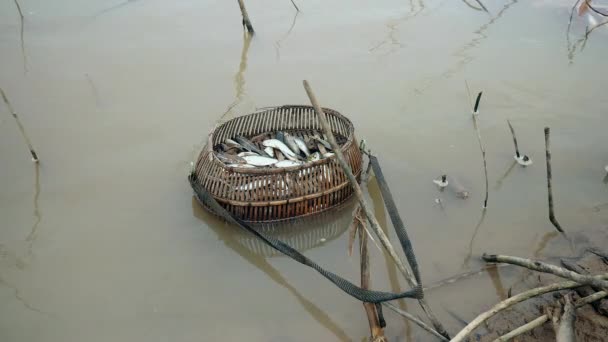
[[328, 155], [323, 142], [287, 163], [259, 160], [240, 165], [314, 157], [302, 145], [275, 143], [270, 151], [249, 146], [291, 142], [229, 158], [231, 142], [247, 153], [281, 136]]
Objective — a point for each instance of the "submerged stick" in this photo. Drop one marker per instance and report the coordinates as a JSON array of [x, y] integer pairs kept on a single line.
[[246, 21], [549, 186], [21, 22], [21, 128], [514, 138], [539, 266], [483, 150], [376, 330], [414, 319], [544, 318], [368, 211]]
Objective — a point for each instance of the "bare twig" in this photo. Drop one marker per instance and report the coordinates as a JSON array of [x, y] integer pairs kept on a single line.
[[414, 319], [539, 266], [507, 303], [482, 6], [246, 21], [294, 5], [376, 330], [514, 138], [21, 128], [483, 151], [21, 22], [367, 209], [544, 318], [595, 9], [549, 186]]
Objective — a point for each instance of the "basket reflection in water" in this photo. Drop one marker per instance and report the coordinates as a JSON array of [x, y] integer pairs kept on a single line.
[[272, 194], [300, 233]]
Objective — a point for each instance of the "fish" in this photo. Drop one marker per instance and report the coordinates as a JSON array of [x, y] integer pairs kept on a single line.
[[231, 142], [290, 141], [328, 155], [323, 142], [314, 157], [249, 146], [247, 154], [281, 136], [287, 163], [260, 160], [275, 143], [240, 165], [302, 146], [269, 151], [229, 158]]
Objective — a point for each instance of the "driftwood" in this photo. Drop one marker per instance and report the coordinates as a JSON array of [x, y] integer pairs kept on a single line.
[[539, 266], [507, 303], [600, 306], [246, 21], [21, 128], [544, 318], [549, 186], [368, 211]]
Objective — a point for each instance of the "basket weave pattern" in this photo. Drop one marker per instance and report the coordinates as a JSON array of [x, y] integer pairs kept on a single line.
[[271, 194]]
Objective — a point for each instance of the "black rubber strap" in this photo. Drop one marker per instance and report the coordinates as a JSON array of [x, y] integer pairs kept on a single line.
[[361, 294], [406, 244]]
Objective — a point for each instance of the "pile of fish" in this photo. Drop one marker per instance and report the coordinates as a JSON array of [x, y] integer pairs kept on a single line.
[[278, 149]]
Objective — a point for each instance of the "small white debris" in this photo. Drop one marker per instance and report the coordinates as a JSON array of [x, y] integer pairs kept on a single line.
[[523, 160]]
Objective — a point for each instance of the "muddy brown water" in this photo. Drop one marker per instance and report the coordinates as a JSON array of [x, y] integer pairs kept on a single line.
[[103, 241]]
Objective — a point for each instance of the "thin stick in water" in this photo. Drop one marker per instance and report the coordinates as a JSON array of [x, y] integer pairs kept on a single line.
[[376, 330], [514, 139], [21, 23], [246, 21], [483, 150], [549, 186], [368, 211], [21, 128], [294, 5]]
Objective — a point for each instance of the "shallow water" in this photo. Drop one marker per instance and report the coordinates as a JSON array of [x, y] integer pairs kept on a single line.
[[103, 241]]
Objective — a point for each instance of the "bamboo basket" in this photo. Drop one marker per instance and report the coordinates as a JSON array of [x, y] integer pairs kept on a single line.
[[273, 194]]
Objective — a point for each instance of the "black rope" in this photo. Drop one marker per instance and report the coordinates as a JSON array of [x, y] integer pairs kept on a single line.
[[406, 244], [361, 294]]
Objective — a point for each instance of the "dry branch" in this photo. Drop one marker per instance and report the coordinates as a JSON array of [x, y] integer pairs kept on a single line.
[[539, 266], [414, 319], [368, 211]]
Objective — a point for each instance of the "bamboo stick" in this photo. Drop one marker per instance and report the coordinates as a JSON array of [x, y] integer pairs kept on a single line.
[[368, 211], [377, 332], [246, 21], [549, 186]]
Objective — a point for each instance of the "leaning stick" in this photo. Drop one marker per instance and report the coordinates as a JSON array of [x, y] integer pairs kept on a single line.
[[539, 266], [483, 150], [414, 319], [507, 303], [370, 309], [294, 5], [549, 186], [21, 128], [514, 139], [368, 211], [246, 21], [542, 319]]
